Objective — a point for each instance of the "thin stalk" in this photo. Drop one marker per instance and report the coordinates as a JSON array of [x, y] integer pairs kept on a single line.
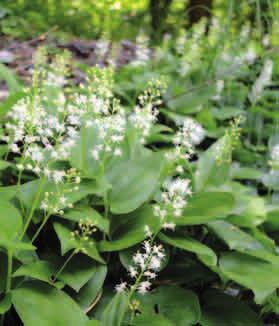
[[9, 271], [40, 227], [64, 265], [84, 149], [32, 210]]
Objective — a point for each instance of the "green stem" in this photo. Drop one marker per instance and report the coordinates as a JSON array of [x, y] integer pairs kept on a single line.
[[40, 227], [9, 271], [32, 210], [84, 149], [64, 265]]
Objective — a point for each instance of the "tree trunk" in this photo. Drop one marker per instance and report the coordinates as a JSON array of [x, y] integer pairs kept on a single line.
[[198, 9], [158, 12]]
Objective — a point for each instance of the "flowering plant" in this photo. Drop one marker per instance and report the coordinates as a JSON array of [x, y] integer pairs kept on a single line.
[[115, 213]]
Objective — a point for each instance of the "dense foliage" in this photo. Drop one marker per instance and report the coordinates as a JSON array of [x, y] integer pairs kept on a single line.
[[146, 194]]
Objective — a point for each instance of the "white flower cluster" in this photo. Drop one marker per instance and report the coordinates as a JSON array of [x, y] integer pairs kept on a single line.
[[146, 264], [173, 201], [175, 192], [145, 114], [189, 134], [263, 80], [54, 201], [142, 52], [40, 137]]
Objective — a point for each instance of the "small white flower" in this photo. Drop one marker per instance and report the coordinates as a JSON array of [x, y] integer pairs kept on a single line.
[[169, 226], [20, 167], [58, 176], [95, 154], [121, 287], [144, 287]]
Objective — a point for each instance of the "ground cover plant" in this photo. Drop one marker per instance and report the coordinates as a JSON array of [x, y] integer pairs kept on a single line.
[[144, 193]]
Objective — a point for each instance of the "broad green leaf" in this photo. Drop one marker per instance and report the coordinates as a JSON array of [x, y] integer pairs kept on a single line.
[[67, 242], [128, 229], [10, 77], [78, 272], [90, 290], [83, 213], [8, 193], [40, 270], [206, 206], [5, 303], [63, 232], [258, 275], [238, 240], [154, 320], [221, 309], [133, 181], [245, 173], [213, 166], [179, 306], [205, 254], [249, 211], [38, 303], [115, 311], [93, 322], [10, 228], [4, 165]]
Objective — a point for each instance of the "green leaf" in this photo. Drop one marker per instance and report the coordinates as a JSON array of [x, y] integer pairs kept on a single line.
[[93, 322], [85, 212], [154, 320], [5, 303], [213, 166], [67, 242], [10, 77], [114, 313], [249, 211], [78, 272], [38, 303], [206, 206], [246, 173], [40, 270], [133, 181], [89, 291], [259, 276], [8, 193], [221, 309], [10, 228], [9, 102], [243, 242], [4, 165], [180, 307], [128, 230], [206, 255]]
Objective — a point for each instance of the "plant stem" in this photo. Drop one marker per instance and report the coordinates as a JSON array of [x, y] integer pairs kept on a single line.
[[64, 265], [9, 270], [32, 210], [138, 280], [40, 228]]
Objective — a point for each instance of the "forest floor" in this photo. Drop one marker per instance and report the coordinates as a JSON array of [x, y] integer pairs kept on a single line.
[[17, 55]]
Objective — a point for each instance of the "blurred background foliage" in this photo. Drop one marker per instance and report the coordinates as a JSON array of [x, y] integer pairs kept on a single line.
[[122, 19]]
